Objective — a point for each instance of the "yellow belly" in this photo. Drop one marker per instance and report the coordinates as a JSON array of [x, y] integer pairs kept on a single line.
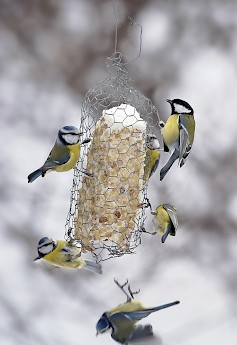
[[163, 219], [170, 131], [152, 156], [60, 262], [74, 155]]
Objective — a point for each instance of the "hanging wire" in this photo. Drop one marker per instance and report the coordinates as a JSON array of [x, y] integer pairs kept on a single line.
[[140, 45], [116, 33], [116, 27]]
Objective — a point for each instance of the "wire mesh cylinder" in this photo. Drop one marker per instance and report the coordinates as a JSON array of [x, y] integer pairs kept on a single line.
[[107, 210]]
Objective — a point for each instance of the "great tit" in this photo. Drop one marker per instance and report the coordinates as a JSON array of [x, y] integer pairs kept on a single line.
[[178, 133]]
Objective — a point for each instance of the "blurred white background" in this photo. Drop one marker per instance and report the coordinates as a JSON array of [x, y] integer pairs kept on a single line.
[[51, 53]]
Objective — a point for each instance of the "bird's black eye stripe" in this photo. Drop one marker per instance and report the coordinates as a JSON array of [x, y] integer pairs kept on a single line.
[[61, 137], [45, 245], [72, 133]]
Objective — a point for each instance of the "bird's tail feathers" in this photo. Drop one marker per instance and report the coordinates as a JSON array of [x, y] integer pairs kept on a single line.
[[165, 235], [93, 266], [164, 306], [34, 175], [185, 155], [169, 231], [168, 165]]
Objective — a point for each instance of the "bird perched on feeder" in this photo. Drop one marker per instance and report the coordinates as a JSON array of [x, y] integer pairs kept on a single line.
[[64, 154], [122, 319], [165, 221], [152, 156], [64, 254], [178, 133]]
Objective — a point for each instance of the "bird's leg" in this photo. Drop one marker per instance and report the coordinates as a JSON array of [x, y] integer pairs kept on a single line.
[[147, 232], [86, 173], [122, 288], [147, 204], [132, 293], [144, 230]]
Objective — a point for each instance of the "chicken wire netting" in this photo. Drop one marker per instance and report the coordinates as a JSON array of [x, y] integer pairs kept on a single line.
[[108, 203]]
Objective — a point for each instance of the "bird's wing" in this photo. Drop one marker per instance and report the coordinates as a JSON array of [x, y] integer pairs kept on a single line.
[[71, 252], [172, 213], [184, 140], [137, 315], [140, 314], [120, 316], [131, 316], [187, 129], [57, 156]]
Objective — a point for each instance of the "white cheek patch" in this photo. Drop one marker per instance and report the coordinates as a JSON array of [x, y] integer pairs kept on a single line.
[[152, 143], [70, 138], [181, 109], [46, 248], [156, 144]]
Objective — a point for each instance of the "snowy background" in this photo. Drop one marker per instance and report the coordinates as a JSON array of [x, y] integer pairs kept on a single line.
[[51, 53]]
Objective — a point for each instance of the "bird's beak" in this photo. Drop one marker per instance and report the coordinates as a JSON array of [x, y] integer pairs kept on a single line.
[[169, 101], [38, 257]]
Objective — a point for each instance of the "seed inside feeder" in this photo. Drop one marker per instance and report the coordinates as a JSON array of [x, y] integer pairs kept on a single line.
[[108, 203]]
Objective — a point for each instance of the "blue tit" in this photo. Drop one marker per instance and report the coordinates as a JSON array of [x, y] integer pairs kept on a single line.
[[64, 254], [64, 154], [122, 319], [178, 134], [165, 221], [152, 156]]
